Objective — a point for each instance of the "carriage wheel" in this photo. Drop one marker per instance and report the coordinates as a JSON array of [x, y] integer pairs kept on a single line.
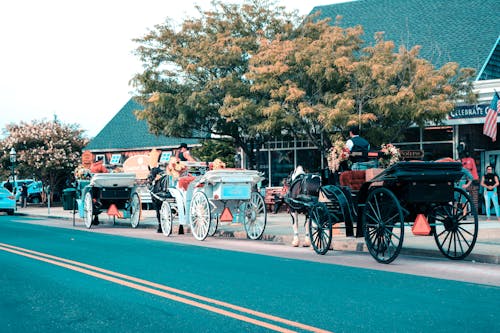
[[200, 216], [213, 226], [383, 225], [320, 228], [255, 216], [135, 210], [87, 210], [166, 218], [455, 235]]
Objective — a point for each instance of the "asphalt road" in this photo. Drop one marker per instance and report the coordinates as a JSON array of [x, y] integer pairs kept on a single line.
[[66, 280]]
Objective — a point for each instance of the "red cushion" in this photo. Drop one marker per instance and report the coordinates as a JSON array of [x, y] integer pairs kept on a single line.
[[353, 179]]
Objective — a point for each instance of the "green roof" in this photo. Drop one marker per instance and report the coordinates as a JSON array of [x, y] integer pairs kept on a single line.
[[125, 132], [462, 31]]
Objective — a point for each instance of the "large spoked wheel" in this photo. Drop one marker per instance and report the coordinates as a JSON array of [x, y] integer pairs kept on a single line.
[[320, 228], [200, 216], [135, 210], [255, 216], [383, 225], [87, 210], [166, 218], [455, 233]]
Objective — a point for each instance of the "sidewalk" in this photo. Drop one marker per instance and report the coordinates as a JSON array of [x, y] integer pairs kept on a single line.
[[279, 230]]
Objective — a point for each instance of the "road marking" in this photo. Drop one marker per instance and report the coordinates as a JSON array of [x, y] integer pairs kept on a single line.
[[148, 287]]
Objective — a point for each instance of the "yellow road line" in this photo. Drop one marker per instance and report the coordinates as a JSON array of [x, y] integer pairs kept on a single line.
[[145, 286]]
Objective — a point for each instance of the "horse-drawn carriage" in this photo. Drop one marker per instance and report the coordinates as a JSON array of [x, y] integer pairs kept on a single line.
[[112, 192], [211, 197], [417, 194]]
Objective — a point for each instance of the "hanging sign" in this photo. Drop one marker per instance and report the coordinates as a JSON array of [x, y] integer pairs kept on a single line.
[[137, 164]]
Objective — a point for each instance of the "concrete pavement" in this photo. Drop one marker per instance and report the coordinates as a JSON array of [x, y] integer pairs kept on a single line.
[[279, 230]]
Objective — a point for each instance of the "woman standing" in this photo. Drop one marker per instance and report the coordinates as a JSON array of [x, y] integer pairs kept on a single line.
[[490, 183]]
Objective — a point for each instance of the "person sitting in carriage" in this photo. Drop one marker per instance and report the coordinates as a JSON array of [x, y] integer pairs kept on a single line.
[[183, 153], [98, 166], [358, 144]]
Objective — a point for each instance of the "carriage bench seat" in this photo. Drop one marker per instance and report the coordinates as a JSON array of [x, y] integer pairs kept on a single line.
[[353, 179], [272, 195], [185, 181]]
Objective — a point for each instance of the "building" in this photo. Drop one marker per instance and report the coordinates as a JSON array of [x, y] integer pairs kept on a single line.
[[125, 136]]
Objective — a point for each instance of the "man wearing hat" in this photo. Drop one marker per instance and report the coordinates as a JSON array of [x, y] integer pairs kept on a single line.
[[183, 153]]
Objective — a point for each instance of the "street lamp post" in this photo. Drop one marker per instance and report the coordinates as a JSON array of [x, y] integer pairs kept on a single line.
[[13, 159]]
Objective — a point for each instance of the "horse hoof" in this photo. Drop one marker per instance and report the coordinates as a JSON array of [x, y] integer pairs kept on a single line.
[[307, 242], [295, 242]]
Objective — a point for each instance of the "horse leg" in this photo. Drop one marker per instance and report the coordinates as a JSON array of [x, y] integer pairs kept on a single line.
[[295, 226], [307, 240], [157, 204]]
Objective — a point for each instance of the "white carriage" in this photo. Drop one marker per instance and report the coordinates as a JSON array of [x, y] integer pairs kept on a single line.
[[112, 192], [224, 195]]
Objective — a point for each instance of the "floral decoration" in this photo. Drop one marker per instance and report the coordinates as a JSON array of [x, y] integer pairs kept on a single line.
[[337, 154], [391, 155], [175, 167], [81, 172], [218, 164]]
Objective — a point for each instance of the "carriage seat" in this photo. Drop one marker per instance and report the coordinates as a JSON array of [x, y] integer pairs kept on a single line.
[[185, 181], [353, 179]]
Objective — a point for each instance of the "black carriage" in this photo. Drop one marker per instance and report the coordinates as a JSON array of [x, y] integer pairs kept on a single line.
[[405, 194]]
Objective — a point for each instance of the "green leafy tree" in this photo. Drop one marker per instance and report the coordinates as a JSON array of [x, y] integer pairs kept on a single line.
[[194, 81], [323, 81], [212, 149], [48, 150]]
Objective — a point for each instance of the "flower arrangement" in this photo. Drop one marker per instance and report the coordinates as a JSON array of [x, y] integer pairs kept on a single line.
[[337, 154], [218, 164], [391, 155], [81, 172], [175, 167]]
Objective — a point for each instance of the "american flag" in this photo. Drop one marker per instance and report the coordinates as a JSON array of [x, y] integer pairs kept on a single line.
[[490, 121]]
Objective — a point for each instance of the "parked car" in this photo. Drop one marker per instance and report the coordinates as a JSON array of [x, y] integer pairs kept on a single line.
[[7, 201], [34, 190]]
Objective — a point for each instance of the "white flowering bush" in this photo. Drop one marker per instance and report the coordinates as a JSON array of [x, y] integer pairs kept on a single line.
[[48, 150], [391, 155]]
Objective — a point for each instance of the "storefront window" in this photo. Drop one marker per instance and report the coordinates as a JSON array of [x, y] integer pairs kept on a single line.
[[437, 150], [310, 159], [281, 165]]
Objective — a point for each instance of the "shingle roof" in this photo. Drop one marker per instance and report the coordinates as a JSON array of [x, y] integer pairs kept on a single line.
[[463, 31], [125, 132]]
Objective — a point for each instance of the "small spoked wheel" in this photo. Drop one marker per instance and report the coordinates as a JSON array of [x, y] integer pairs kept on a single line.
[[455, 233], [213, 226], [135, 210], [166, 218], [383, 225], [87, 210], [255, 217], [200, 216], [320, 228]]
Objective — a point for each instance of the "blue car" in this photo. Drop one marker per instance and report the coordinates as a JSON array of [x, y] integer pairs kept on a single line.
[[34, 190], [7, 201]]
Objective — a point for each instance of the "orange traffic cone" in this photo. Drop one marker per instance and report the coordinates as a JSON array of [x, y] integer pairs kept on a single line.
[[421, 226], [113, 211]]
